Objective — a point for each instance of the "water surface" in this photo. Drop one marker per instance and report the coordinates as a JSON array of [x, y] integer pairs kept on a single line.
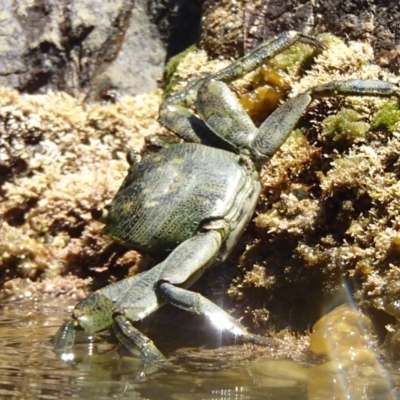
[[29, 369]]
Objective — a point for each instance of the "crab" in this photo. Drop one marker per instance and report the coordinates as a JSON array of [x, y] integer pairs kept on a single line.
[[193, 200]]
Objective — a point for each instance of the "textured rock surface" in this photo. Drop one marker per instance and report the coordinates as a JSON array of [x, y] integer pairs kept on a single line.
[[79, 47], [58, 159], [231, 33]]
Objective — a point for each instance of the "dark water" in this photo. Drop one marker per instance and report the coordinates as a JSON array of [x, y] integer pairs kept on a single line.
[[29, 369]]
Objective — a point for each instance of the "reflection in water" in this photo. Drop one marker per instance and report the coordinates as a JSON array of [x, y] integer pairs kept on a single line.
[[30, 370], [351, 369]]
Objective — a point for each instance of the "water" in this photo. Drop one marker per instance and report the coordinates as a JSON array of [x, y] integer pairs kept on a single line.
[[29, 369]]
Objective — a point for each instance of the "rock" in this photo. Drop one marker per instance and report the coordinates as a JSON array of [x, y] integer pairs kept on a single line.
[[79, 47], [232, 30]]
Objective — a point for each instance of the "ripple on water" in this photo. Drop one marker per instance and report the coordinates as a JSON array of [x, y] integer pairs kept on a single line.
[[29, 369]]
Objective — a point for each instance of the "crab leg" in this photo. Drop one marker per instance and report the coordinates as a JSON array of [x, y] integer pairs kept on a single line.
[[65, 336], [179, 270], [174, 113], [133, 339], [197, 304], [276, 128], [355, 87], [262, 54]]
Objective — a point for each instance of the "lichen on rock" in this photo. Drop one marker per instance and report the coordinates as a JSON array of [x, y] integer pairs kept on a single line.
[[59, 158]]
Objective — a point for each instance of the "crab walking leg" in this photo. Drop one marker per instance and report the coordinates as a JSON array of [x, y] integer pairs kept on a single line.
[[260, 55], [183, 267], [197, 304], [195, 254], [174, 113], [355, 87], [131, 338], [65, 336], [189, 260], [276, 128], [263, 53]]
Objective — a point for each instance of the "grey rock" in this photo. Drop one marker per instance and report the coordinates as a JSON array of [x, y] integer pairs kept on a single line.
[[85, 46]]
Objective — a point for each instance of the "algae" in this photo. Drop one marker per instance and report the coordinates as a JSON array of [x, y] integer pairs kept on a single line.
[[328, 217]]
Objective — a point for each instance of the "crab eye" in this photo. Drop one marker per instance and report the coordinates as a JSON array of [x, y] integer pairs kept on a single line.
[[99, 214], [132, 157]]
